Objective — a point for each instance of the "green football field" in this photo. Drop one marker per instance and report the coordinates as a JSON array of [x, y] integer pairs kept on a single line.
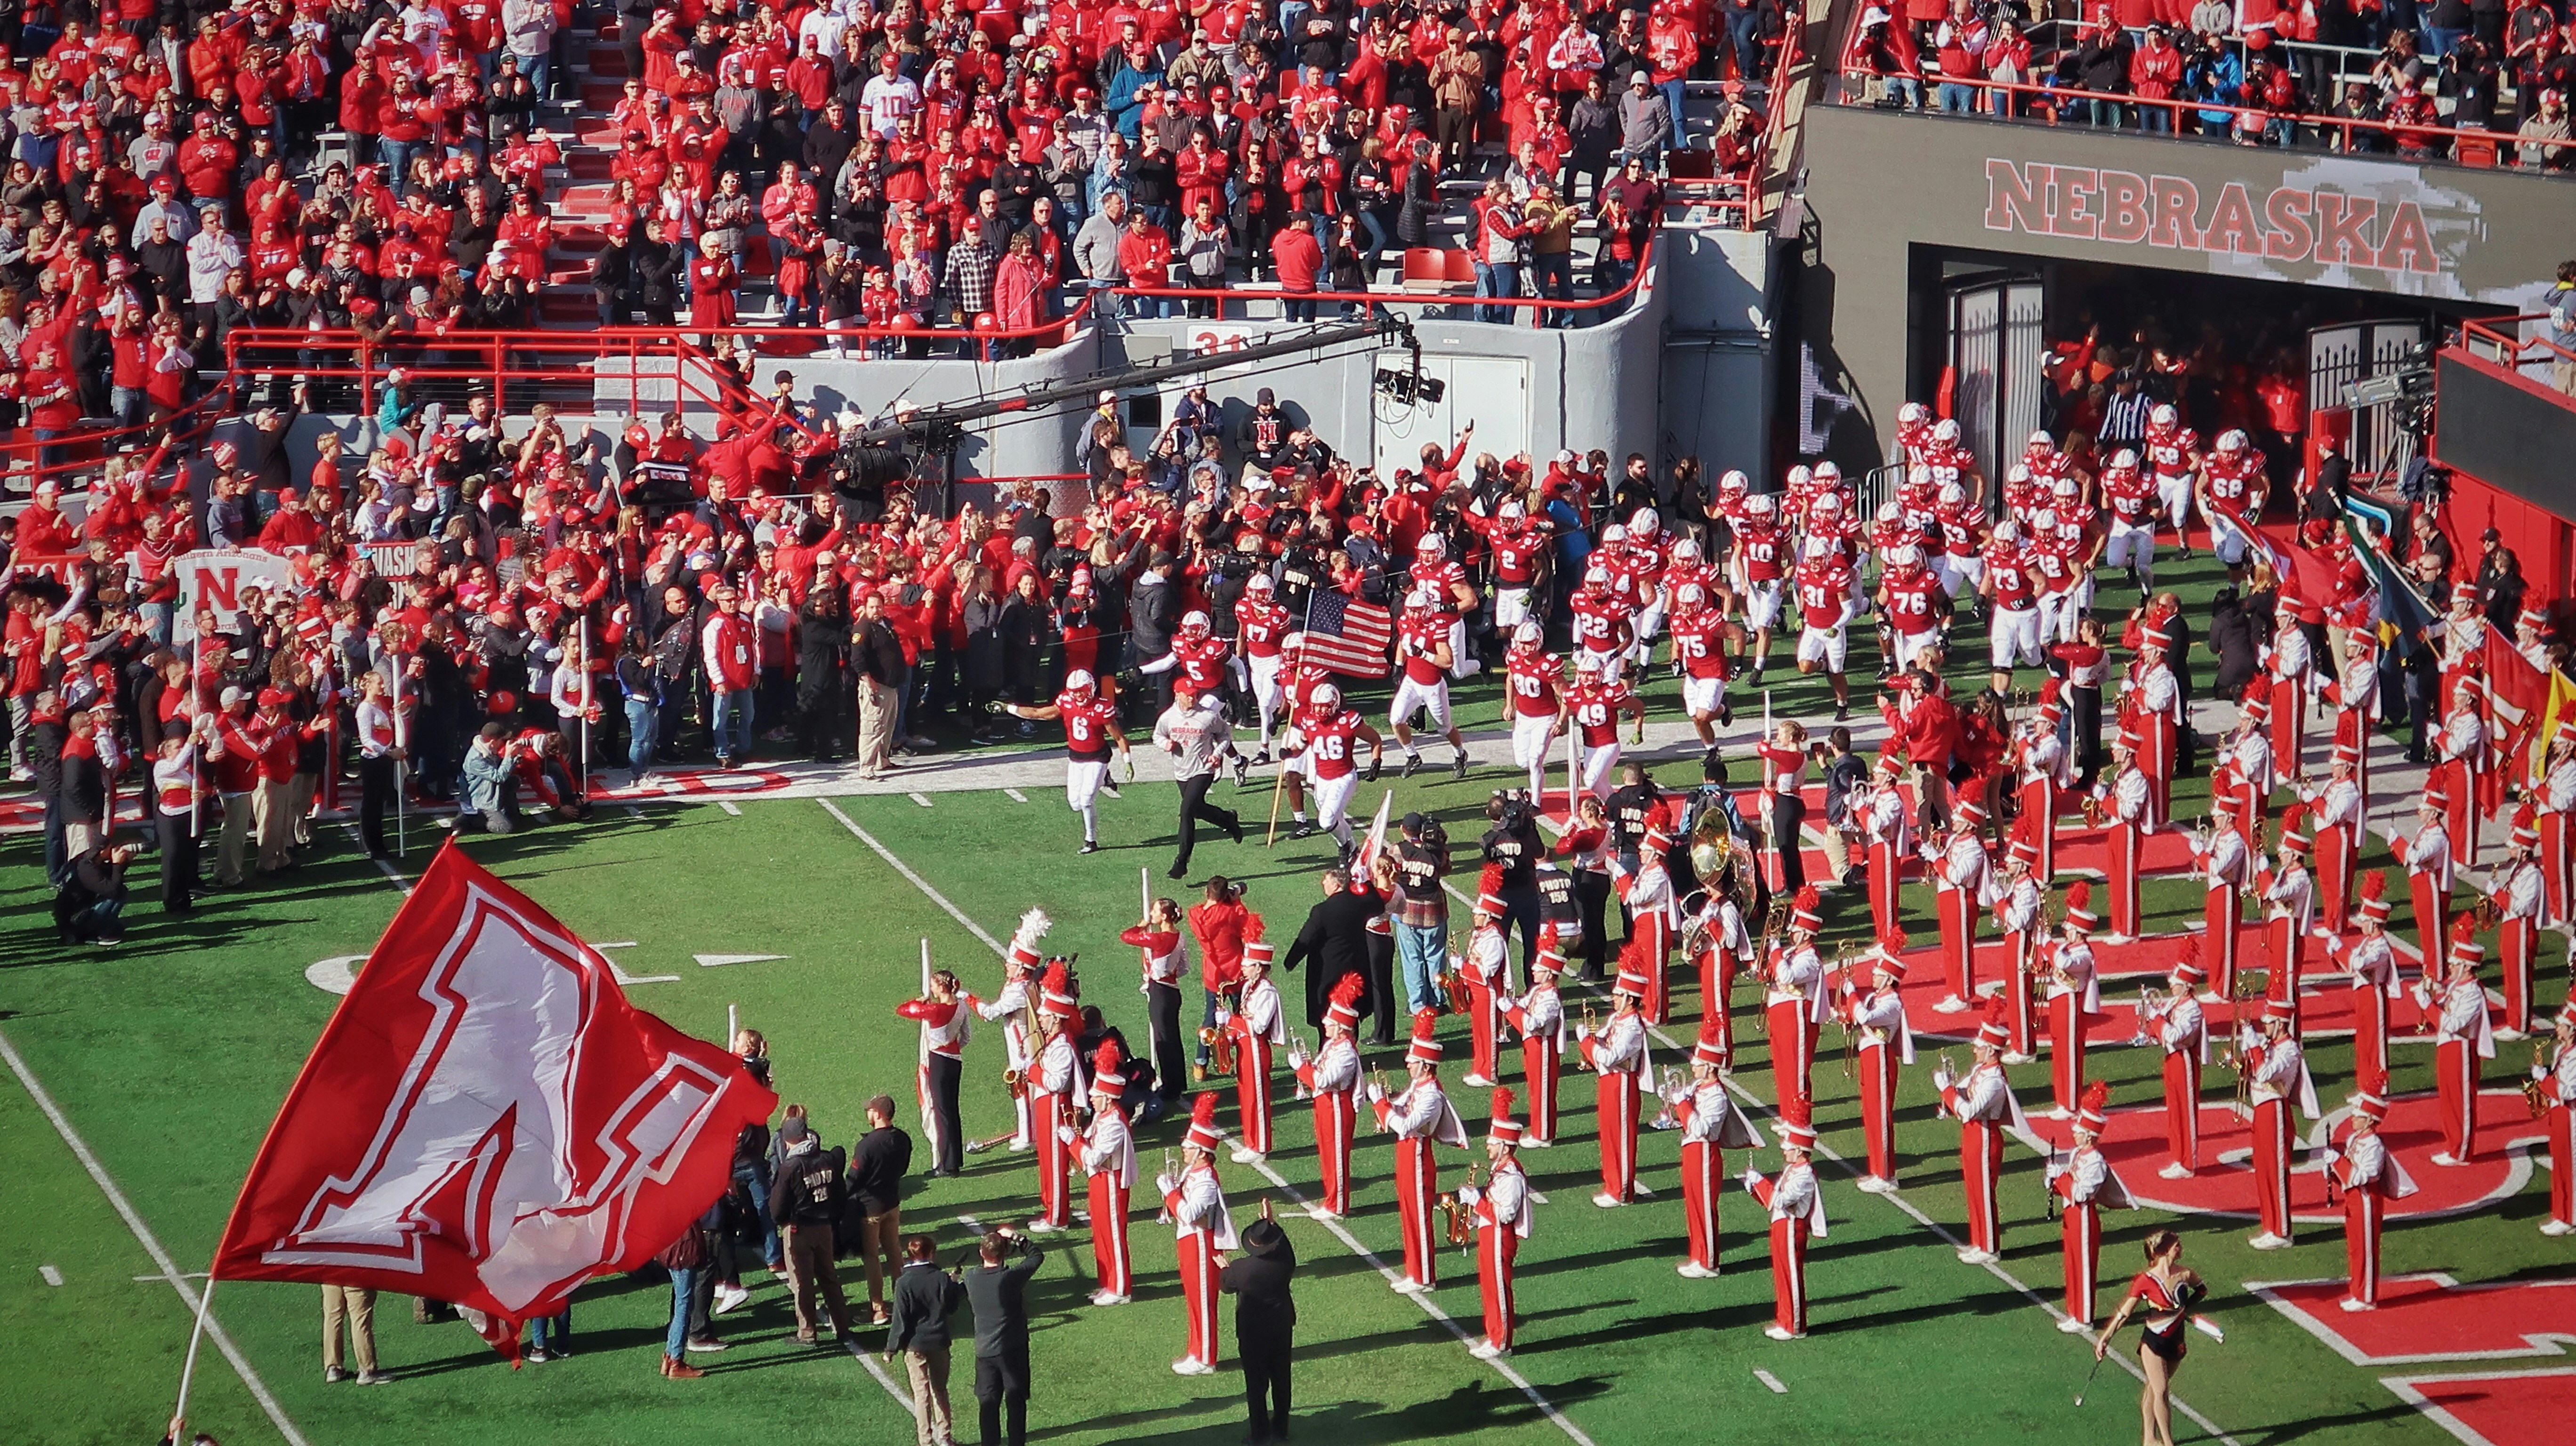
[[168, 1056]]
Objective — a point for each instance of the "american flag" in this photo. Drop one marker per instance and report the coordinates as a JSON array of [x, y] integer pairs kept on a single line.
[[1346, 635]]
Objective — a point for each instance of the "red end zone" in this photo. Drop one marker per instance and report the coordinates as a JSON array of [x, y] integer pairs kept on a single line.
[[2504, 1408], [2430, 1318]]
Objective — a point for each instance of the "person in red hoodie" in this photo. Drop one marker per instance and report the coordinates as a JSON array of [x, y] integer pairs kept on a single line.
[[733, 673], [291, 528], [1217, 922], [1145, 255], [1299, 259]]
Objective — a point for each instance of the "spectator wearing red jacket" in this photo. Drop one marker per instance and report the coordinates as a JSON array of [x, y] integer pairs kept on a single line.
[[1145, 255], [1299, 259], [1217, 922]]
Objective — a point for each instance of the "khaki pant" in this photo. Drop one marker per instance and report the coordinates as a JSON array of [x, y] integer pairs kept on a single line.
[[876, 725], [299, 805], [234, 840], [355, 1305], [1837, 847], [880, 1247], [809, 1269], [927, 1368], [275, 812]]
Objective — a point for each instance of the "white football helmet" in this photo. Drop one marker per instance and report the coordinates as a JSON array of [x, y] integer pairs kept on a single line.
[[1945, 430]]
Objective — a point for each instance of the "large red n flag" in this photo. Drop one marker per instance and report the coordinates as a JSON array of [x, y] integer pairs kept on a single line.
[[486, 1120]]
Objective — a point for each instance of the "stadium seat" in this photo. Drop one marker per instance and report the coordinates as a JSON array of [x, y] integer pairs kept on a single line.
[[2474, 152], [1460, 267], [1423, 269]]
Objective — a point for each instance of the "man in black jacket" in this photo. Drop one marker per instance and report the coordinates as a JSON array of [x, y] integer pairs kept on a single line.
[[878, 1163], [657, 265], [1335, 936], [805, 1198], [999, 1293], [924, 1298], [1265, 1322]]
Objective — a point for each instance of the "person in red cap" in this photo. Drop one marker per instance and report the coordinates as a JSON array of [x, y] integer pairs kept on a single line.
[[1621, 1069], [1055, 1090], [1884, 1043], [1418, 1118], [1259, 1027], [1710, 1125], [1982, 1102], [1539, 1018], [2019, 909], [1964, 884], [1196, 1204], [1332, 1077], [2516, 889], [1106, 1150], [2087, 1187], [2289, 911], [2370, 1177], [2225, 864], [1795, 999], [1483, 966], [2074, 997], [2463, 1034], [2337, 814], [1887, 828], [1502, 1206], [2278, 1070], [2427, 859], [2129, 801], [1797, 1215], [2557, 1081]]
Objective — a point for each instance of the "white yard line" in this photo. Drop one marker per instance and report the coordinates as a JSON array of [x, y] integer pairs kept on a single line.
[[54, 1277], [1014, 795], [1423, 1299], [921, 798], [151, 1243], [729, 806], [1768, 1379]]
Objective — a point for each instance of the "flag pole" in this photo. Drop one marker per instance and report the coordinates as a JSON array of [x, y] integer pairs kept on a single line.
[[188, 1368], [733, 1024], [1145, 888], [402, 760], [196, 750]]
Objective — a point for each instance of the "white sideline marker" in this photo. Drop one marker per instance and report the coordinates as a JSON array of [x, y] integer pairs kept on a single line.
[[921, 798], [1768, 1379], [1014, 795], [54, 1277]]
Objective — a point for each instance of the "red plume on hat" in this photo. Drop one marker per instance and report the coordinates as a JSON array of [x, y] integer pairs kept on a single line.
[[2079, 897], [1348, 989], [1254, 928], [1808, 899], [1489, 880], [1106, 1059], [1504, 1099], [2096, 1095], [1203, 1110], [1892, 943], [2374, 885], [2190, 951], [1425, 1048]]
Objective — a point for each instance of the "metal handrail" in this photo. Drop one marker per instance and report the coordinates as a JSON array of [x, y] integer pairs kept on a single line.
[[1371, 300], [182, 426], [2509, 348]]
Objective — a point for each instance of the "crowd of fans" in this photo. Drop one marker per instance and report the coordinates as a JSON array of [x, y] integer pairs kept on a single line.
[[2261, 72]]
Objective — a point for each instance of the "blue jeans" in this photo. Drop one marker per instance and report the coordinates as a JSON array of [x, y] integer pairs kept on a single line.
[[1498, 279], [1149, 306], [2105, 113], [772, 1253], [393, 154], [643, 730], [534, 67], [1957, 99], [2439, 41], [732, 725], [2155, 119], [157, 620], [675, 1341], [1744, 31], [551, 1332], [1422, 952], [1302, 310], [1552, 276]]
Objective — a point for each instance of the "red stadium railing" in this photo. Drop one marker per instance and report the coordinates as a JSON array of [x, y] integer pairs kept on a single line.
[[2499, 339], [82, 451], [1538, 307]]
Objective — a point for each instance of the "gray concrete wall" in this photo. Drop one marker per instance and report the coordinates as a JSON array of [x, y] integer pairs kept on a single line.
[[1718, 364], [1878, 183]]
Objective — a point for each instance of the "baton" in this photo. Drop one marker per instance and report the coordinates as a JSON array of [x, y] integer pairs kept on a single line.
[[2088, 1377]]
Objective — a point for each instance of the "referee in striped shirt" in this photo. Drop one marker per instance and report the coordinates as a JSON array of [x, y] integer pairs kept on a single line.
[[2124, 416]]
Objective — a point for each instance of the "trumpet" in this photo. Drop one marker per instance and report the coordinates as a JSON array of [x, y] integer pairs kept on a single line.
[[1171, 1164], [1377, 1077], [2146, 1013], [1949, 1071]]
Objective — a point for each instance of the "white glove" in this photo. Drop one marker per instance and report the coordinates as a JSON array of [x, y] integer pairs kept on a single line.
[[1066, 1134], [1162, 1184], [1751, 1177], [1376, 1096], [1581, 1033], [1469, 1194], [1940, 1079], [2538, 1072]]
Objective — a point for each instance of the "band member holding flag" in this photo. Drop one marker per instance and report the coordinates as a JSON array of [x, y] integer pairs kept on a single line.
[[1622, 1071], [1711, 1125], [944, 1018], [2087, 1187], [1797, 1215], [1333, 1078], [1539, 1016], [1259, 1027], [1195, 1203], [2370, 1177], [1502, 1206], [1106, 1150], [1418, 1118]]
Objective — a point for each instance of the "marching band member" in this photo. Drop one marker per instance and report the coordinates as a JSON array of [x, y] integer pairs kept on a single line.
[[1013, 1009], [2293, 673], [2152, 703], [1196, 1204], [2557, 1084], [2371, 1177], [1797, 1214], [1711, 1125], [2226, 867], [1259, 1027], [2337, 815], [1794, 1000], [1966, 881], [1106, 1150], [1782, 758], [2087, 1187], [1889, 828], [2131, 801], [2280, 1081], [1163, 963], [1055, 1084], [1418, 1118], [1886, 1043], [2357, 707], [1621, 1070], [1539, 1018], [1482, 968], [2427, 857], [2461, 761], [2074, 997], [2179, 1028], [2017, 918], [1653, 916], [2045, 771], [2462, 1036], [1333, 1078], [2289, 898], [2371, 963], [1983, 1104], [1502, 1206], [1723, 947], [2517, 890], [2557, 801], [944, 1021]]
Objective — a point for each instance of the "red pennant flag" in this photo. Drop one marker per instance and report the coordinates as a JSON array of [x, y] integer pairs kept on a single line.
[[486, 1120]]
